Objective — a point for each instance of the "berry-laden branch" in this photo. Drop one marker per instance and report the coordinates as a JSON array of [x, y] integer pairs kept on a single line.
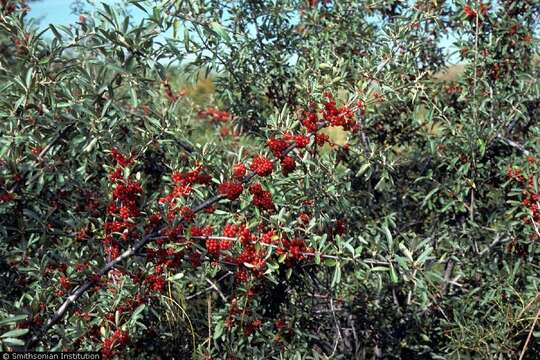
[[332, 116], [131, 251], [303, 253]]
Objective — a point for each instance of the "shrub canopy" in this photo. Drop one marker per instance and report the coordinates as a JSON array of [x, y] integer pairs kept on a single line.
[[272, 180]]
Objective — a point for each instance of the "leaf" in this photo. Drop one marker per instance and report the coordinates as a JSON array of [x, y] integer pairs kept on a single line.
[[389, 237], [12, 341], [218, 331], [220, 30], [90, 145], [349, 247], [288, 273], [406, 251], [393, 275], [176, 276], [363, 169], [138, 311], [13, 319], [330, 262], [429, 195], [14, 333], [337, 276], [29, 77], [55, 32], [424, 256]]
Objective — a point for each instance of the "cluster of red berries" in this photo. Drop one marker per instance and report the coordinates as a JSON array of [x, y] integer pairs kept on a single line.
[[339, 116], [261, 165], [288, 165], [64, 281], [277, 146], [191, 177], [125, 193], [261, 198], [231, 189], [470, 13], [239, 170], [214, 114], [6, 197], [113, 343], [124, 205], [293, 249], [530, 191], [155, 281], [184, 182]]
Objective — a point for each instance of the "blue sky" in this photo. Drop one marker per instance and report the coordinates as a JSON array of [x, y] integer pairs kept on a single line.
[[60, 12], [53, 11]]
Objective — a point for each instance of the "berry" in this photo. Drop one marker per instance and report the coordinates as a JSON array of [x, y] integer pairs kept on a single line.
[[261, 165], [212, 246], [239, 170], [287, 165], [277, 146], [230, 230], [64, 281], [241, 275], [264, 201], [303, 218], [256, 189], [225, 244], [231, 189], [301, 141]]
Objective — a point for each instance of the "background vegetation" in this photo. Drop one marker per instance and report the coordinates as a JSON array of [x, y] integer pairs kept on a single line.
[[129, 226]]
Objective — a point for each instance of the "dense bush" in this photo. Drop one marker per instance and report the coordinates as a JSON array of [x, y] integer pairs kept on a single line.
[[337, 195]]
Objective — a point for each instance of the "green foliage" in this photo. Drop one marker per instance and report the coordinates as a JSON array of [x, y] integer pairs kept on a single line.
[[417, 230]]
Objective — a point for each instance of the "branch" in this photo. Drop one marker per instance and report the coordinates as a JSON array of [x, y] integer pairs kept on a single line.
[[447, 275], [514, 144], [529, 336], [131, 251], [306, 254]]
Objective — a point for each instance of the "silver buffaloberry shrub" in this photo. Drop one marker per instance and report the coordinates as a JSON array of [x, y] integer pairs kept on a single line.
[[355, 179]]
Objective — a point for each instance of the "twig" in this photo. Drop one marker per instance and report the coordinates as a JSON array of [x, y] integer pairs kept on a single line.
[[337, 327], [447, 275], [214, 286], [535, 227], [529, 336], [514, 144], [490, 246], [209, 302], [210, 288]]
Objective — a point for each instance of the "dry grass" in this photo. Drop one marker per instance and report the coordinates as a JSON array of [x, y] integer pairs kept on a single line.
[[453, 73]]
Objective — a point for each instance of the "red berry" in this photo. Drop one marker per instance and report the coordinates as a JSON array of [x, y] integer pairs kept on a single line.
[[301, 140], [239, 170], [212, 246], [241, 275], [261, 165], [256, 189], [303, 218], [264, 201], [64, 281], [277, 146], [230, 230], [231, 189], [287, 165]]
